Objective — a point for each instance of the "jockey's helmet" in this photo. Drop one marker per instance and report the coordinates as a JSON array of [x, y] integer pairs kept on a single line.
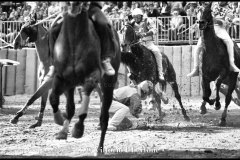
[[137, 15], [137, 11]]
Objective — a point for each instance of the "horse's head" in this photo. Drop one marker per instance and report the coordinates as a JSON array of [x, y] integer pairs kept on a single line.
[[129, 37], [28, 33], [205, 18]]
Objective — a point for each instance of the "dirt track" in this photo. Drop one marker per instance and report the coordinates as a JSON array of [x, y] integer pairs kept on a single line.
[[171, 138]]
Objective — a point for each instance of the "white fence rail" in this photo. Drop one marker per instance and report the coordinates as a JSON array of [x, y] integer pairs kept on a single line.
[[187, 33]]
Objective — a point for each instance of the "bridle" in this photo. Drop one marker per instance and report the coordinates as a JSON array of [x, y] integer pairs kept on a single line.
[[205, 24], [134, 42]]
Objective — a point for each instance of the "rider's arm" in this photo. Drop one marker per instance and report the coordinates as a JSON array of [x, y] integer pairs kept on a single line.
[[151, 26]]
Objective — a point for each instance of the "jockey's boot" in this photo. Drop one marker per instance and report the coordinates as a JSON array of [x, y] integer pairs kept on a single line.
[[109, 70], [233, 67], [194, 73], [161, 77]]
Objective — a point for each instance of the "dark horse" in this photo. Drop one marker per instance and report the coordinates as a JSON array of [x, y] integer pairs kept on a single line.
[[76, 58], [37, 33], [215, 64], [142, 64]]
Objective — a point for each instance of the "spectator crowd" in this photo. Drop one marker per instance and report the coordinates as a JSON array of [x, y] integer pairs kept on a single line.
[[119, 10]]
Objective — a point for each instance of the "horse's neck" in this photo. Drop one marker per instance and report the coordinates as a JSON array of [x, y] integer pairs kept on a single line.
[[41, 44], [78, 24], [209, 38]]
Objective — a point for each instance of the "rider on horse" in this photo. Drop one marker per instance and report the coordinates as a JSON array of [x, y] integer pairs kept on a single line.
[[145, 28], [222, 16], [102, 26]]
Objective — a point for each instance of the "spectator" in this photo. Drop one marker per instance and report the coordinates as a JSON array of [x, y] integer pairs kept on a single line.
[[153, 12], [176, 5], [53, 8], [123, 12], [175, 23], [166, 9], [114, 13], [191, 11], [146, 8], [157, 6]]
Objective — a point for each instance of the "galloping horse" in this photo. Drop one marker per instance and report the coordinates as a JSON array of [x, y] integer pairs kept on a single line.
[[37, 33], [76, 58], [142, 64], [215, 64]]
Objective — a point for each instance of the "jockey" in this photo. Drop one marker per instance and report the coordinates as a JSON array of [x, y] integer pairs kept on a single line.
[[222, 15], [145, 28], [103, 28], [127, 100]]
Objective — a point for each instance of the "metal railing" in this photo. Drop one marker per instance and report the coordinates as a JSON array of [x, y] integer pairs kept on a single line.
[[187, 33]]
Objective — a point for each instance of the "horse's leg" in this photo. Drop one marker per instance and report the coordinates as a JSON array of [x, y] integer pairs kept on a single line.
[[178, 97], [80, 94], [231, 87], [156, 99], [78, 129], [203, 108], [207, 91], [45, 86], [70, 108], [58, 87], [107, 87], [218, 86], [237, 90], [40, 115], [99, 91]]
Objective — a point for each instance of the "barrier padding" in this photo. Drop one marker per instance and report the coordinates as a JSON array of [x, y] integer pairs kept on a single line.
[[11, 73], [177, 65], [194, 81], [168, 50], [3, 55], [20, 71], [22, 79], [31, 71], [186, 57]]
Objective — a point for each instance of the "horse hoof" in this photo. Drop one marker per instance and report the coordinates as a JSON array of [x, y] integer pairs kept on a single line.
[[61, 135], [211, 101], [217, 106], [14, 121], [203, 111], [100, 152], [78, 131], [222, 123], [35, 125], [186, 118]]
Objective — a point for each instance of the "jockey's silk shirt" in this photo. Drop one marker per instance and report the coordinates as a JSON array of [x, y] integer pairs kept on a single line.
[[128, 95], [145, 26]]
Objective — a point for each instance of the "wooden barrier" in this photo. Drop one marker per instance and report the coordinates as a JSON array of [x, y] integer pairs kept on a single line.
[[22, 79]]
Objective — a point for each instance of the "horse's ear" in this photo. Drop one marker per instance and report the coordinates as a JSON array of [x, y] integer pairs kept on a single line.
[[33, 18]]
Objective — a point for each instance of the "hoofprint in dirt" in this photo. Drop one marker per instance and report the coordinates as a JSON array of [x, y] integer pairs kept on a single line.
[[171, 138]]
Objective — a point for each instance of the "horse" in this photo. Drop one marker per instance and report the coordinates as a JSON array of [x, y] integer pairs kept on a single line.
[[215, 64], [143, 66], [76, 58], [37, 34]]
